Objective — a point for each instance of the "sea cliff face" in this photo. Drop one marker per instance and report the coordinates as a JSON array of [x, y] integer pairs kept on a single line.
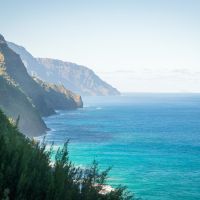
[[77, 78], [15, 103], [59, 96], [15, 68], [22, 95]]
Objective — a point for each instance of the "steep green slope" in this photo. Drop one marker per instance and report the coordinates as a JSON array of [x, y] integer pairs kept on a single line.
[[17, 71], [15, 103], [25, 172], [77, 78], [57, 95], [22, 95], [45, 103]]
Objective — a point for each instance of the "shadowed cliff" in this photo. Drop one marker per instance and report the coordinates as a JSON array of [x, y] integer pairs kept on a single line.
[[22, 95]]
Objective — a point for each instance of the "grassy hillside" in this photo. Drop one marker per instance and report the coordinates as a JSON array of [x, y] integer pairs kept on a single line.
[[57, 95], [21, 95], [25, 172], [15, 104], [17, 71], [44, 101]]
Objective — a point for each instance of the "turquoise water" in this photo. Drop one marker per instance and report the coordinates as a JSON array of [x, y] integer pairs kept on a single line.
[[152, 141]]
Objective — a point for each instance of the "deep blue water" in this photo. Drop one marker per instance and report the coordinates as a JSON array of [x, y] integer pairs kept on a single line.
[[151, 140]]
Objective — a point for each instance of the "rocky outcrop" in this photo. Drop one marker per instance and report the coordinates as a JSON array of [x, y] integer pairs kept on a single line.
[[77, 78]]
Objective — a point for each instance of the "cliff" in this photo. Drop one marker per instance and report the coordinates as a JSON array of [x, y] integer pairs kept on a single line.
[[59, 96], [29, 97], [77, 78], [15, 68], [15, 103]]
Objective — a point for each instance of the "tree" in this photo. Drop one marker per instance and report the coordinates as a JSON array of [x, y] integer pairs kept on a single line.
[[26, 171]]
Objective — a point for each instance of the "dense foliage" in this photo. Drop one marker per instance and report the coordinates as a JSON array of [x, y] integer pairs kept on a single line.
[[27, 174]]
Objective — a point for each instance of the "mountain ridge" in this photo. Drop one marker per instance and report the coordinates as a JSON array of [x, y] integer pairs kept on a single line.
[[75, 77], [23, 95]]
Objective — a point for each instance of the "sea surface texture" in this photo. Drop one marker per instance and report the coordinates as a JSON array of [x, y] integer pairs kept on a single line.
[[152, 141]]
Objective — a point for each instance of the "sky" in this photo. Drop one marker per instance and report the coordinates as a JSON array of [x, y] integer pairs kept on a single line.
[[135, 45]]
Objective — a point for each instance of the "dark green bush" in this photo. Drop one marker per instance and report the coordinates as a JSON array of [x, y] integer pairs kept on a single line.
[[26, 173]]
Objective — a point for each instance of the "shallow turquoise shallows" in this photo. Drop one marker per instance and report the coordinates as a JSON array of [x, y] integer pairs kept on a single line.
[[152, 141]]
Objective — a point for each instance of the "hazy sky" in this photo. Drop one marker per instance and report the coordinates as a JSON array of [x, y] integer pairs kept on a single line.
[[136, 45]]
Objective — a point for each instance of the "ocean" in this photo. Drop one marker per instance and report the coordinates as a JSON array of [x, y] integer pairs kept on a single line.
[[151, 141]]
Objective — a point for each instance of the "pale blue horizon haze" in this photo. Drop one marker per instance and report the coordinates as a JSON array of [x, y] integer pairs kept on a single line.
[[137, 46]]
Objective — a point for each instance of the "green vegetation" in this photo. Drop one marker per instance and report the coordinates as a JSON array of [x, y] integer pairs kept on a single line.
[[26, 173], [21, 95], [14, 102], [59, 96]]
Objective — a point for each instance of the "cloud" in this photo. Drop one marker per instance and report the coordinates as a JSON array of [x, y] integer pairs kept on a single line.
[[154, 80]]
